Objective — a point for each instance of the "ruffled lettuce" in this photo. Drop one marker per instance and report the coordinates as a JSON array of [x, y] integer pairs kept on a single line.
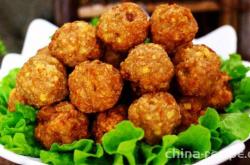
[[195, 138], [56, 158], [122, 142], [84, 151], [17, 131], [234, 67], [234, 126], [6, 85], [240, 84], [17, 128], [211, 120]]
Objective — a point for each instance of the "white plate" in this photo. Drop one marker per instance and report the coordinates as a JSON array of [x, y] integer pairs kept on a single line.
[[222, 40]]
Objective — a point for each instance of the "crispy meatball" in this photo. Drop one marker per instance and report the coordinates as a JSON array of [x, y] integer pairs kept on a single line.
[[148, 67], [42, 81], [74, 43], [94, 86], [60, 123], [158, 114], [222, 94], [197, 68], [172, 26], [191, 109], [123, 26], [194, 52], [15, 98], [105, 121]]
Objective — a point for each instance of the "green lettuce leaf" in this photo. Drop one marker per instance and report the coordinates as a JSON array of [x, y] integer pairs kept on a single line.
[[195, 138], [3, 110], [56, 158], [216, 143], [210, 120], [4, 95], [240, 83], [167, 142], [10, 79], [159, 154], [20, 121], [6, 85], [84, 151], [17, 131], [21, 146], [147, 153], [216, 140], [17, 128], [237, 106], [95, 156], [243, 92], [122, 141], [28, 113], [234, 126], [83, 144], [178, 157], [234, 67]]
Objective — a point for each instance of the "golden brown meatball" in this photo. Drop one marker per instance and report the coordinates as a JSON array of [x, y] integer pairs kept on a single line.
[[172, 26], [148, 67], [15, 98], [123, 26], [60, 123], [74, 43], [222, 94], [158, 114], [191, 109], [94, 86], [197, 69], [105, 121], [194, 52], [42, 81]]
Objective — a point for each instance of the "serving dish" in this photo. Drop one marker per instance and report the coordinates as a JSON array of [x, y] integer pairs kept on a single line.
[[223, 40]]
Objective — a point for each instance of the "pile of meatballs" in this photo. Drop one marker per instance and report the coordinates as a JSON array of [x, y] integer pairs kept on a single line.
[[88, 79]]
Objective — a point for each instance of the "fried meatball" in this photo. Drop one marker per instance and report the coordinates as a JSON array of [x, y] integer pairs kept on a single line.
[[15, 98], [172, 26], [123, 26], [158, 114], [197, 68], [191, 109], [148, 67], [105, 121], [94, 86], [74, 43], [60, 123], [42, 81], [222, 94]]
